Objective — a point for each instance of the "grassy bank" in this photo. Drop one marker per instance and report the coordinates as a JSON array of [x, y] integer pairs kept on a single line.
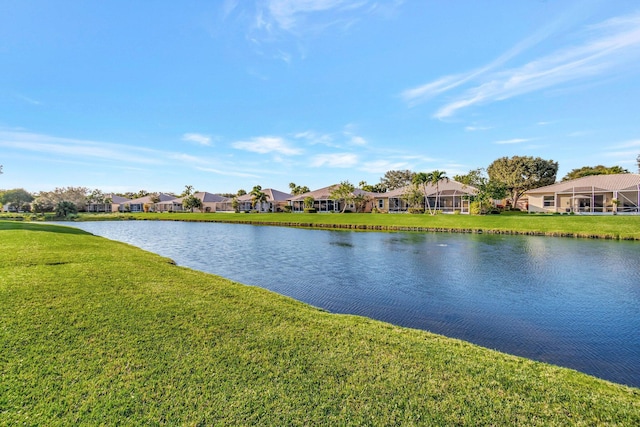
[[98, 332], [606, 227]]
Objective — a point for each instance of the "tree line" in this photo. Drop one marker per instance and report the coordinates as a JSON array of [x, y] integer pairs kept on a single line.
[[506, 177]]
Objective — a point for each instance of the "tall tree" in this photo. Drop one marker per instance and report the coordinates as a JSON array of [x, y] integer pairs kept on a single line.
[[486, 190], [191, 202], [241, 192], [296, 190], [258, 197], [435, 178], [593, 170], [519, 174], [396, 179], [343, 192], [421, 179], [48, 200], [638, 161], [188, 190], [17, 198]]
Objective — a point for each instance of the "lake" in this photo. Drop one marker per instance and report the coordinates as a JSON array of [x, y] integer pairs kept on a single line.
[[569, 302]]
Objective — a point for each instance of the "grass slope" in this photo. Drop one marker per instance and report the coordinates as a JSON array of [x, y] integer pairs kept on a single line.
[[603, 226], [98, 332]]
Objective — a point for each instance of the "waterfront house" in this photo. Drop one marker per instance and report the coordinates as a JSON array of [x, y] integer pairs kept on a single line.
[[209, 203], [447, 197], [323, 202], [137, 205], [111, 203], [595, 194]]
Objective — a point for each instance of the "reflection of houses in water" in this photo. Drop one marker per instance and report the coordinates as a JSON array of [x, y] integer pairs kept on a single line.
[[619, 193]]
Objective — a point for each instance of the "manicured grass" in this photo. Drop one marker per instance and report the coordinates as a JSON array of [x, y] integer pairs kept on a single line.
[[97, 332], [609, 226]]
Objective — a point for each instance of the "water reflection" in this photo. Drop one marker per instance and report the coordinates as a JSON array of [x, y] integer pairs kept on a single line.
[[574, 303]]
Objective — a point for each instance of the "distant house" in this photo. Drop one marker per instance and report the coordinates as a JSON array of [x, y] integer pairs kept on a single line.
[[451, 195], [137, 205], [323, 202], [596, 194], [114, 206], [276, 201], [209, 203]]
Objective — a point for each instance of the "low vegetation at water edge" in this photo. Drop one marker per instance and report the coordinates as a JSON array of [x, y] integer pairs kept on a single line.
[[98, 332]]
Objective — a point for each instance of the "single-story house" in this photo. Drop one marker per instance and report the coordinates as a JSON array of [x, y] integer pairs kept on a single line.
[[323, 202], [114, 206], [209, 203], [137, 205], [595, 194], [448, 197], [276, 201]]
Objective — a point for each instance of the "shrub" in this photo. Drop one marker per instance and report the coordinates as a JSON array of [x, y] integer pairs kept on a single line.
[[415, 210], [287, 208], [310, 210]]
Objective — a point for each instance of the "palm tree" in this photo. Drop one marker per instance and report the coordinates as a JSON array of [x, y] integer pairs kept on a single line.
[[434, 179], [258, 197], [422, 179]]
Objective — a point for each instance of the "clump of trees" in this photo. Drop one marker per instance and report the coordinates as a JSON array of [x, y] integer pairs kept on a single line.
[[519, 174], [593, 170], [296, 190], [17, 198]]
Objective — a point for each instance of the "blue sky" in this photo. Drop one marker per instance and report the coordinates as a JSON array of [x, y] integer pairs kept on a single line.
[[223, 95]]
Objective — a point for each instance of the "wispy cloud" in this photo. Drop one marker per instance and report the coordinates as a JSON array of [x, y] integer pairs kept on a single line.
[[382, 166], [609, 47], [512, 141], [267, 144], [335, 160], [76, 148], [198, 138], [29, 100], [314, 138], [476, 128], [227, 173], [629, 144]]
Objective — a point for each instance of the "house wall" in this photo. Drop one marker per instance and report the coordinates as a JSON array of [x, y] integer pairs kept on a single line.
[[536, 203]]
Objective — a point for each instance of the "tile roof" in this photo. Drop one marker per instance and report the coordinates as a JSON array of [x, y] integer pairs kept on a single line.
[[599, 182], [324, 193], [444, 187]]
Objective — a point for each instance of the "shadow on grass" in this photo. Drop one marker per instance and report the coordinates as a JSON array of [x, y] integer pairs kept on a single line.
[[32, 226]]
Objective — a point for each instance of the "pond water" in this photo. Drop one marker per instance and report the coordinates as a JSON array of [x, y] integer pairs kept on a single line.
[[570, 302]]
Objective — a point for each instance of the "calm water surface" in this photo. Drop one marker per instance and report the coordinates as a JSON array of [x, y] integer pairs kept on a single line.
[[574, 303]]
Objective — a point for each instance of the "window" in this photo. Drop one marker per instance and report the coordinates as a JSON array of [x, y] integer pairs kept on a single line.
[[380, 204], [549, 201]]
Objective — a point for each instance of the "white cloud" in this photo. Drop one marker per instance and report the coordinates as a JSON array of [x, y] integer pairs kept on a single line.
[[314, 138], [358, 140], [629, 144], [383, 166], [612, 45], [198, 138], [228, 173], [335, 160], [68, 147], [267, 144], [476, 128], [513, 141]]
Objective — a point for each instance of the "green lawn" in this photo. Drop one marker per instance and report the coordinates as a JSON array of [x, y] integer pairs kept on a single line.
[[98, 332], [609, 226]]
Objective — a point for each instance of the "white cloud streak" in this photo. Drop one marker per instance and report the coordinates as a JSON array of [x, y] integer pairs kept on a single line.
[[335, 160], [610, 47], [198, 138], [513, 141], [267, 144]]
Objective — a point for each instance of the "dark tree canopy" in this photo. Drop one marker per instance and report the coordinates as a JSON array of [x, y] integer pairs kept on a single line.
[[18, 198], [519, 174], [296, 190], [593, 170], [396, 179]]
